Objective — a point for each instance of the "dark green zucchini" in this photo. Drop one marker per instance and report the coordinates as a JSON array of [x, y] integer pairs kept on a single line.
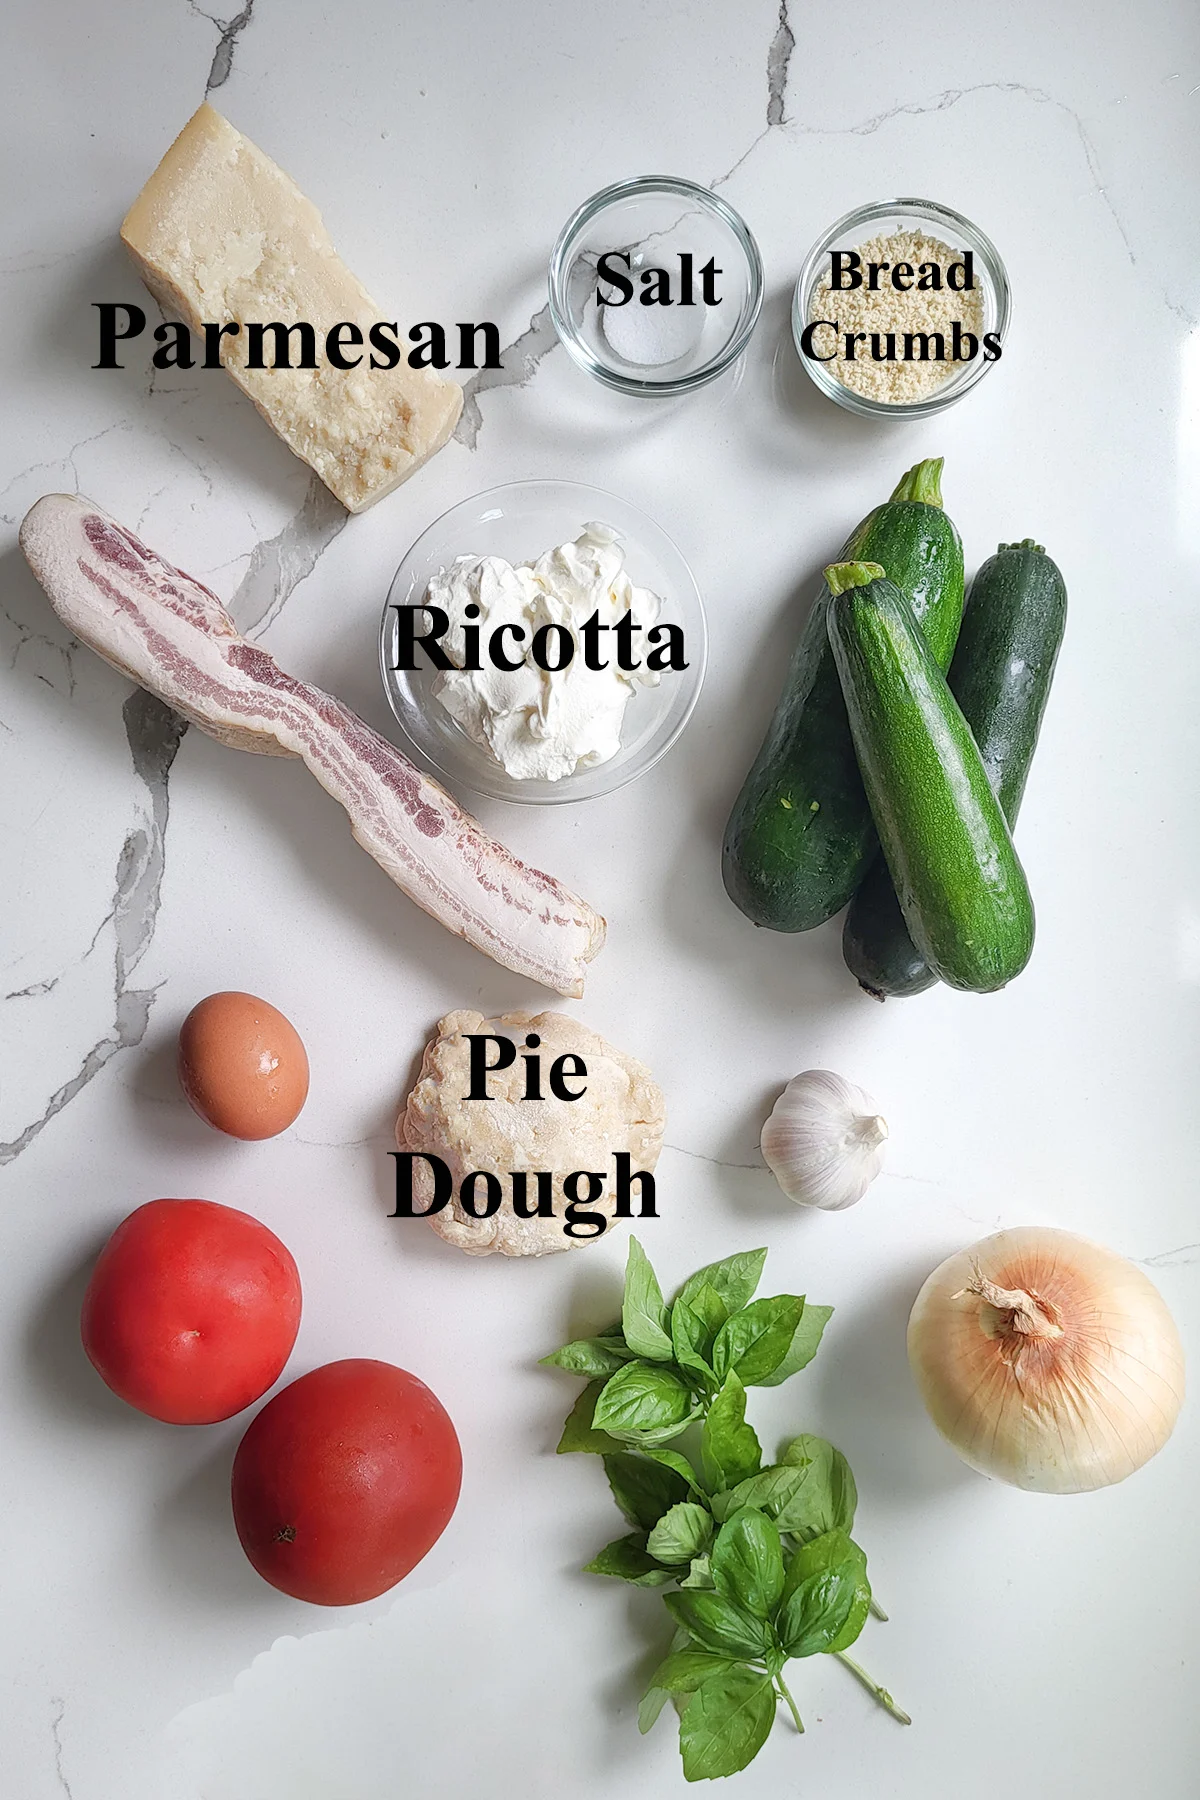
[[1000, 676], [876, 946], [800, 834], [957, 876]]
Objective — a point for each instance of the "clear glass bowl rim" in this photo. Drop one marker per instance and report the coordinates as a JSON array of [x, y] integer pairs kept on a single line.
[[511, 794], [873, 210], [559, 268]]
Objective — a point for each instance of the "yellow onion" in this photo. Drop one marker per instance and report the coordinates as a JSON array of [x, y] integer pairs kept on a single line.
[[1046, 1360]]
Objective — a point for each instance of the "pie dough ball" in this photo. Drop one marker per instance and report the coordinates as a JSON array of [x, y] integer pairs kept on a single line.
[[621, 1109]]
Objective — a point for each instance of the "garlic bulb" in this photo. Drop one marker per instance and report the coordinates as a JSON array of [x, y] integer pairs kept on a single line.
[[822, 1140], [1047, 1361]]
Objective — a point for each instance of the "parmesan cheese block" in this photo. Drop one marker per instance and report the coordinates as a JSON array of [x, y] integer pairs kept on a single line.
[[220, 234]]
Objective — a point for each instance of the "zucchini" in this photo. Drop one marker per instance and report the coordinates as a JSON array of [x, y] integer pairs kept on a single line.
[[876, 945], [1000, 676], [800, 835], [958, 879]]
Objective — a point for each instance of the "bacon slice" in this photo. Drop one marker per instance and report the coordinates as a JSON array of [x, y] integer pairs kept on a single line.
[[171, 635]]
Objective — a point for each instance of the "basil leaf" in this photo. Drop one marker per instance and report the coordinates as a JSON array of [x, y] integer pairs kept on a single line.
[[648, 1438], [682, 1533], [644, 1317], [754, 1342], [689, 1340], [804, 1345], [733, 1280], [831, 1550], [770, 1491], [726, 1723], [814, 1614], [827, 1498], [578, 1433], [700, 1574], [642, 1396], [649, 1707], [671, 1459], [834, 1550], [709, 1307], [717, 1624], [643, 1489], [683, 1671], [655, 1698], [627, 1559], [747, 1562], [590, 1356], [729, 1450]]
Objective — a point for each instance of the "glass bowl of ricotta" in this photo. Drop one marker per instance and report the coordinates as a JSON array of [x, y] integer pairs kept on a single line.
[[575, 637]]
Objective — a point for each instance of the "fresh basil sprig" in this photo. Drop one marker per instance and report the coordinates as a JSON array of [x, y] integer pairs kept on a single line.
[[760, 1559], [663, 1366]]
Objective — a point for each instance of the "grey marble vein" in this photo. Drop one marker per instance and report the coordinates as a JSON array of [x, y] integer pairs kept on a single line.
[[779, 62], [942, 102], [779, 56], [778, 59], [55, 466], [279, 564], [520, 359], [276, 566], [34, 989], [154, 733], [230, 30], [519, 363], [1180, 1257], [26, 636], [757, 1168], [719, 181], [56, 1719], [36, 262]]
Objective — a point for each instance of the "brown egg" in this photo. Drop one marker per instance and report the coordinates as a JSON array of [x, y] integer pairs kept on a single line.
[[242, 1065]]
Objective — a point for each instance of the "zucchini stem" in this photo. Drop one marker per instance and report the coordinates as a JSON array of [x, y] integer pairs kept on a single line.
[[923, 482], [840, 576]]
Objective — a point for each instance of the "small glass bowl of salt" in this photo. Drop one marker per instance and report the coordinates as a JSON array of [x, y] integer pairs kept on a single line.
[[655, 285]]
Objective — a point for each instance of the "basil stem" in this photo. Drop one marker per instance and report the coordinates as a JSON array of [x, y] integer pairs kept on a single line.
[[785, 1694], [881, 1694]]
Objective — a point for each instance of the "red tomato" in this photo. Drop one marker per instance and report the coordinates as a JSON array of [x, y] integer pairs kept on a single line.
[[192, 1310], [344, 1481]]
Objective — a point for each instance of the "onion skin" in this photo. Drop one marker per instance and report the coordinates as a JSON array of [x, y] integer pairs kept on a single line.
[[1082, 1396]]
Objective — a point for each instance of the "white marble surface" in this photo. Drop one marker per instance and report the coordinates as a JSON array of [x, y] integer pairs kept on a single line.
[[1043, 1646]]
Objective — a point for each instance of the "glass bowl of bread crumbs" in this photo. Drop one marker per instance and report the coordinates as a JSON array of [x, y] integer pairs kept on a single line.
[[901, 306]]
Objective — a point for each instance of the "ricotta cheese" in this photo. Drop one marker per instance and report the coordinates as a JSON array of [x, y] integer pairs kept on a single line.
[[544, 724]]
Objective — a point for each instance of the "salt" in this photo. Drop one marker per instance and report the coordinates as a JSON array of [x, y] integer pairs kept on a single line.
[[650, 336]]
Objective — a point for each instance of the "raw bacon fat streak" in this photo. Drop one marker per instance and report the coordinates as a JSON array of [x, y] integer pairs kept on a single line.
[[171, 635]]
